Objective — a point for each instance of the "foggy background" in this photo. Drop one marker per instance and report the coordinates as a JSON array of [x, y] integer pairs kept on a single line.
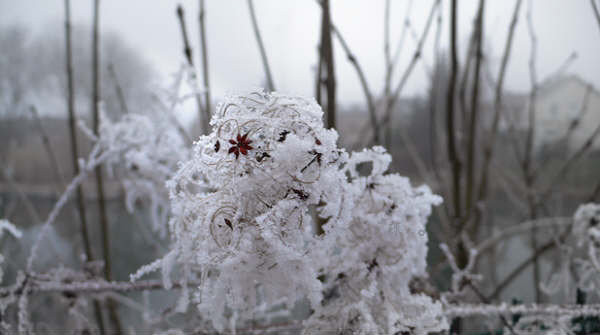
[[290, 31]]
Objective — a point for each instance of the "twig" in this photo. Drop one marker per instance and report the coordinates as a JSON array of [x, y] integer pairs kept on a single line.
[[490, 143], [204, 115], [73, 133], [521, 228], [326, 57], [596, 12], [450, 117], [517, 271], [99, 285], [472, 136], [416, 56], [529, 146], [464, 82], [75, 152], [363, 82], [399, 46], [112, 73], [567, 164], [523, 309], [485, 301], [204, 47], [386, 50], [99, 178], [261, 47]]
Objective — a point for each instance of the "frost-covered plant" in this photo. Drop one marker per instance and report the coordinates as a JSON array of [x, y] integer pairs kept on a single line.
[[368, 269], [245, 209], [587, 229], [148, 153]]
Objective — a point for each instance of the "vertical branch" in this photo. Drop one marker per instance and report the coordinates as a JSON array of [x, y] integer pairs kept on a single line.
[[319, 75], [416, 56], [118, 89], [203, 115], [596, 12], [203, 44], [405, 27], [386, 49], [489, 145], [472, 136], [327, 59], [363, 81], [527, 158], [73, 133], [74, 153], [261, 47], [450, 122], [464, 82], [99, 178]]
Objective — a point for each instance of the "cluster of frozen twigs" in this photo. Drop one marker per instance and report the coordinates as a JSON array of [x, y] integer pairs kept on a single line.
[[266, 212]]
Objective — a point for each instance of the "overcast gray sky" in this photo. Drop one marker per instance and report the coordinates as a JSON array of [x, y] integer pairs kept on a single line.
[[290, 32]]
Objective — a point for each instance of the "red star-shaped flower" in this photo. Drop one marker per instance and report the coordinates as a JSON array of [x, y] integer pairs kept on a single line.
[[240, 145]]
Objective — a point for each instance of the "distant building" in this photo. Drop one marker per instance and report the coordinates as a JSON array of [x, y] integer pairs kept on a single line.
[[563, 102]]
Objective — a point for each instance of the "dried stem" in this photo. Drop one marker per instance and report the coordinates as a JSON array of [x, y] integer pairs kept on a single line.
[[450, 117], [99, 178], [416, 56], [517, 271], [399, 46], [386, 53], [75, 152], [363, 82], [472, 136], [523, 309], [203, 115], [529, 146], [490, 143], [204, 47], [113, 74], [73, 133], [326, 58], [596, 12], [261, 47], [519, 229]]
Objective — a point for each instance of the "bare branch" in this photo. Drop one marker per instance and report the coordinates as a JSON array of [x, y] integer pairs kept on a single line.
[[113, 74], [203, 115], [326, 57], [596, 12], [450, 117], [204, 47], [523, 309], [390, 103], [472, 136], [490, 143], [261, 47], [363, 82], [99, 177]]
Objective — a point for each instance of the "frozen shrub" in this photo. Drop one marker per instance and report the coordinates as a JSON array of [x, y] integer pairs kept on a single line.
[[245, 211], [368, 268], [148, 153]]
